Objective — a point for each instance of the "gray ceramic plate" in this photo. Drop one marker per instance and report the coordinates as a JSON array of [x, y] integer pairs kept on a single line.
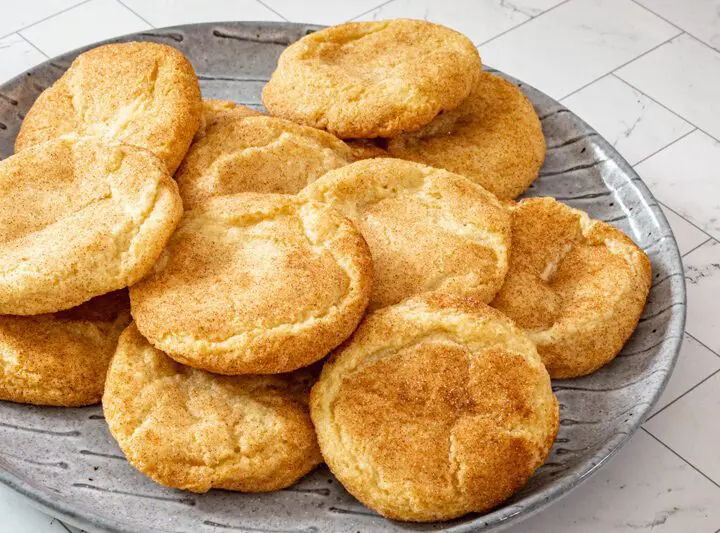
[[66, 461]]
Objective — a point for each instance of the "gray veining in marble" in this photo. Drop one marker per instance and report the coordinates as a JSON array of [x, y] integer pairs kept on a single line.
[[67, 463]]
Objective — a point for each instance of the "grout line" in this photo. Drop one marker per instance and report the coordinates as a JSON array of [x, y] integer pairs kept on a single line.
[[696, 247], [701, 343], [138, 15], [621, 66], [32, 44], [665, 206], [665, 107], [383, 4], [273, 10], [696, 38], [667, 145], [700, 41], [45, 18], [681, 457], [686, 220], [521, 24], [657, 15], [681, 396]]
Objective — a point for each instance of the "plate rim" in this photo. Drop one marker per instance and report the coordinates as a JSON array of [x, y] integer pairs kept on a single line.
[[499, 518]]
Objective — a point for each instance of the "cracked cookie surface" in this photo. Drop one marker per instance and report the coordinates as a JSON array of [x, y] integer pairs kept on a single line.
[[255, 283], [192, 430], [242, 153], [434, 408], [138, 93], [80, 218], [372, 79], [61, 358], [427, 229], [577, 286], [493, 138]]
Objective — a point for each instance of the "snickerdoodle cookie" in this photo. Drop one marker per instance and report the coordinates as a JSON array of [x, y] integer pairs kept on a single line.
[[138, 93], [195, 431], [427, 229], [493, 138], [212, 108], [577, 286], [240, 153], [373, 79], [80, 218], [434, 408], [61, 358], [255, 283]]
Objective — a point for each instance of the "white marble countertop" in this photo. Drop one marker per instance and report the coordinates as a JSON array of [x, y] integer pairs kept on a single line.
[[646, 75]]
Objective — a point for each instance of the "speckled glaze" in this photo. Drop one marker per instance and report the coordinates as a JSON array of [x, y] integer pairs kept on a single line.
[[67, 463]]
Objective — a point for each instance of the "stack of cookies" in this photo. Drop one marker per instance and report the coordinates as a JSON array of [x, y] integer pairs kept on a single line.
[[194, 262]]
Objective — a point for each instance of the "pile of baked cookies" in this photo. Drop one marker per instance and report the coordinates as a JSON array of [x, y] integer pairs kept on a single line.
[[368, 216]]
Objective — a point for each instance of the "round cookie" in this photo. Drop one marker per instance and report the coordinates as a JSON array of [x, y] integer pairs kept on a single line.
[[211, 109], [138, 93], [577, 286], [61, 359], [255, 284], [263, 154], [192, 430], [493, 138], [427, 229], [372, 79], [80, 218], [434, 408]]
